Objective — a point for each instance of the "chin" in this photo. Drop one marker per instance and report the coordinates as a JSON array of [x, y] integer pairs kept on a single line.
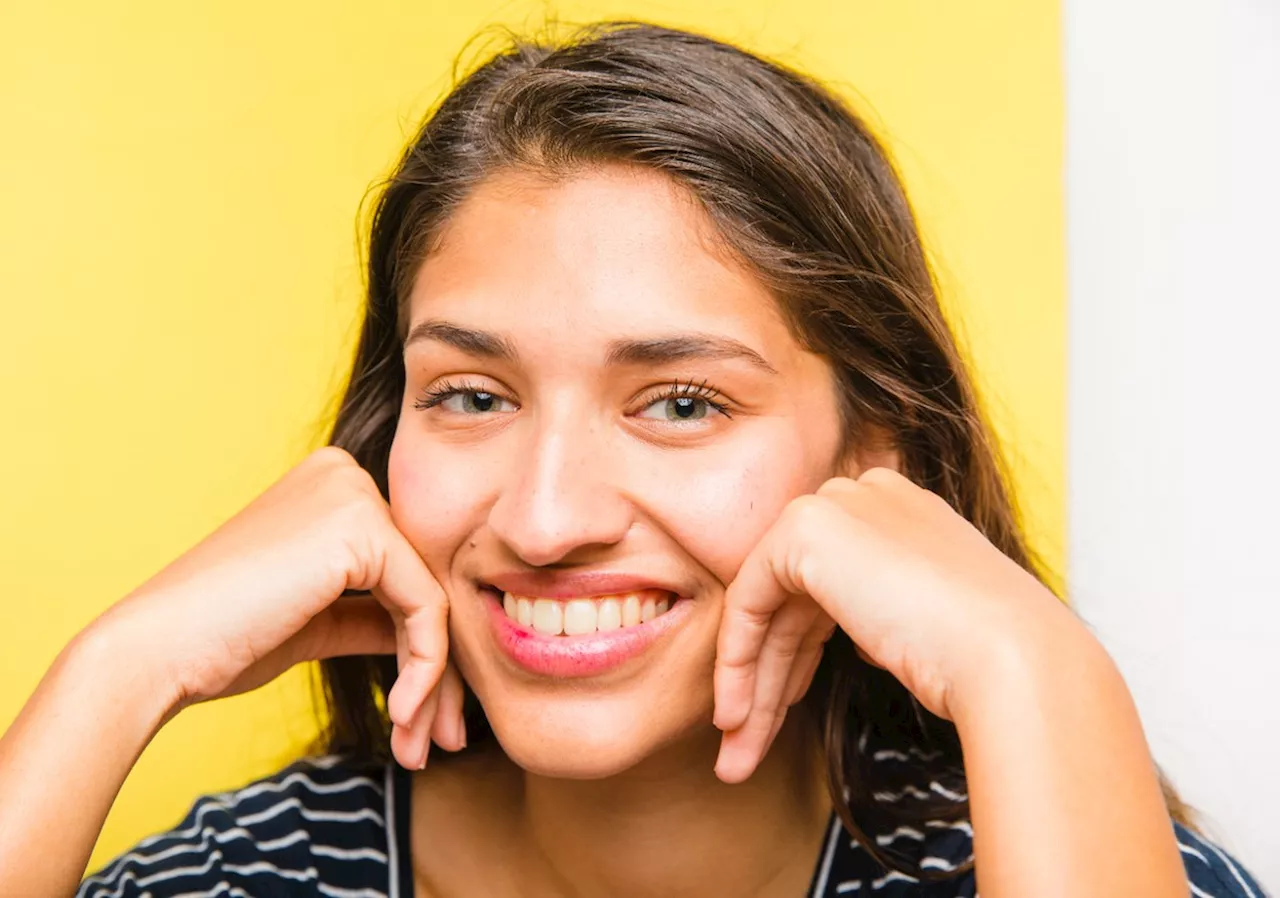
[[575, 742], [592, 731]]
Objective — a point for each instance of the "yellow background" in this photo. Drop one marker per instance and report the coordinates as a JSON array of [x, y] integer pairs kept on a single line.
[[179, 185]]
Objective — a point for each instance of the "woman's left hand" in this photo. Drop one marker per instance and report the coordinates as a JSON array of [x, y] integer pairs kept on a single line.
[[918, 589]]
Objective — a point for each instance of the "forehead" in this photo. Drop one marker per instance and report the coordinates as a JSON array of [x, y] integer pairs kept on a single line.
[[612, 248]]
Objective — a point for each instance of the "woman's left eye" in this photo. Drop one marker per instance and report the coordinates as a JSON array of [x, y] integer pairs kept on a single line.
[[682, 407]]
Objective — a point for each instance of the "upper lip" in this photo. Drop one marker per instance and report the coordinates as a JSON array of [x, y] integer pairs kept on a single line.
[[575, 584]]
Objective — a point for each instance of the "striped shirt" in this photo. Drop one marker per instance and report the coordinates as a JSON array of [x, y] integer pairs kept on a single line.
[[324, 827]]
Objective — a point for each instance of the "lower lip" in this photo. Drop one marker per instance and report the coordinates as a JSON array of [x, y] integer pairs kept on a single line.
[[587, 655]]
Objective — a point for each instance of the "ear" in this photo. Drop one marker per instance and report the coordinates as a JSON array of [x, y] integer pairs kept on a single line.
[[875, 448]]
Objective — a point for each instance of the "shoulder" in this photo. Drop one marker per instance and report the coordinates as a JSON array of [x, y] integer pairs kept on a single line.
[[1213, 872], [319, 824], [944, 846]]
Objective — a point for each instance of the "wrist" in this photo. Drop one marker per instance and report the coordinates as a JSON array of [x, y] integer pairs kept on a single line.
[[1040, 658], [1058, 768], [123, 656]]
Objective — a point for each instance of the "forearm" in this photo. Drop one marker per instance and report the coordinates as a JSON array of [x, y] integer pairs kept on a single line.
[[1064, 797], [65, 757]]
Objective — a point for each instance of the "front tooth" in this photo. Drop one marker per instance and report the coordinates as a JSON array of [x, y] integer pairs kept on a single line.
[[610, 615], [663, 605], [509, 605], [579, 617], [548, 617], [648, 610], [630, 611], [524, 612]]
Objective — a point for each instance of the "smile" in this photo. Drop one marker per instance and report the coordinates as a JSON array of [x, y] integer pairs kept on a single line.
[[582, 636], [575, 617]]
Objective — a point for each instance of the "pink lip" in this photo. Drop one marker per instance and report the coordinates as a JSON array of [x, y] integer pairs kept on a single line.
[[578, 656]]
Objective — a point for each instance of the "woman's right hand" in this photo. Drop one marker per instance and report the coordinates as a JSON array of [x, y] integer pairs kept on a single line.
[[265, 591]]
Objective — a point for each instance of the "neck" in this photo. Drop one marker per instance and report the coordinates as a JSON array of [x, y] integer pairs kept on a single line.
[[667, 826]]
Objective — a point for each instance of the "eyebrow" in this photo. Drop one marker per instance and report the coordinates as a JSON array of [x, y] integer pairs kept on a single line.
[[625, 352], [683, 347], [472, 342]]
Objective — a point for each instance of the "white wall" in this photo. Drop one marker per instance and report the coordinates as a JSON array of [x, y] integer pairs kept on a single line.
[[1173, 185]]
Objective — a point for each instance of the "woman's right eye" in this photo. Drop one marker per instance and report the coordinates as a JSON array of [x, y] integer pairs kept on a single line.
[[465, 401], [476, 402]]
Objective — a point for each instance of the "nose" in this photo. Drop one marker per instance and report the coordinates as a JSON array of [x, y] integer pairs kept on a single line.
[[562, 499]]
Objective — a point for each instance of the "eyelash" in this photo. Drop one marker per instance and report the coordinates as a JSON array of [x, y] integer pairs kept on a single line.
[[689, 389], [430, 398]]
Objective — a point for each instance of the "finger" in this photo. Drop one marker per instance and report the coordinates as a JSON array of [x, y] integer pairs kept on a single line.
[[773, 732], [807, 660], [410, 690], [410, 744], [421, 610], [449, 730], [742, 749], [780, 655], [791, 624], [406, 588], [862, 653], [749, 605]]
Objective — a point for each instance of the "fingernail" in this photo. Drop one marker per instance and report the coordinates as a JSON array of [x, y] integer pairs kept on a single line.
[[425, 751]]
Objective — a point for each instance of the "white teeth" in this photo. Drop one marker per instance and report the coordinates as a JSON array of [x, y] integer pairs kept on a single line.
[[610, 615], [576, 617], [579, 617], [548, 617], [630, 611]]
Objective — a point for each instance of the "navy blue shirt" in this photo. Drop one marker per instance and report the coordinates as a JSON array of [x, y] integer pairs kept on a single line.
[[323, 827]]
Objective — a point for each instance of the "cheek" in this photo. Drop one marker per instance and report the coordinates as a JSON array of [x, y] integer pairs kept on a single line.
[[720, 507], [433, 498]]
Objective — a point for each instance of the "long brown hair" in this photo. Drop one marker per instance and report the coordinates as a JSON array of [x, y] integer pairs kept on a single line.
[[801, 190]]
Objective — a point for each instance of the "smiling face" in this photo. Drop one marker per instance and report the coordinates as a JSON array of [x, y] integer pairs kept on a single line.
[[602, 411]]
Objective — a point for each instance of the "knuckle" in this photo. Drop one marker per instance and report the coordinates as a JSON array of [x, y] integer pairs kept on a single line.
[[330, 456], [359, 480], [837, 486], [809, 511], [787, 652], [340, 467], [881, 477], [356, 497], [753, 618]]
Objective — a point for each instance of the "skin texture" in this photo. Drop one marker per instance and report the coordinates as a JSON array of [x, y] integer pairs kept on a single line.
[[578, 469], [679, 772], [569, 473], [755, 518]]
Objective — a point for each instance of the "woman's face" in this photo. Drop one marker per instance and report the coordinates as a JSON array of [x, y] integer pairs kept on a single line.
[[603, 414]]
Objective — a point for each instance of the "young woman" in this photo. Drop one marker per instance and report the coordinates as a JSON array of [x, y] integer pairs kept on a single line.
[[660, 499]]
